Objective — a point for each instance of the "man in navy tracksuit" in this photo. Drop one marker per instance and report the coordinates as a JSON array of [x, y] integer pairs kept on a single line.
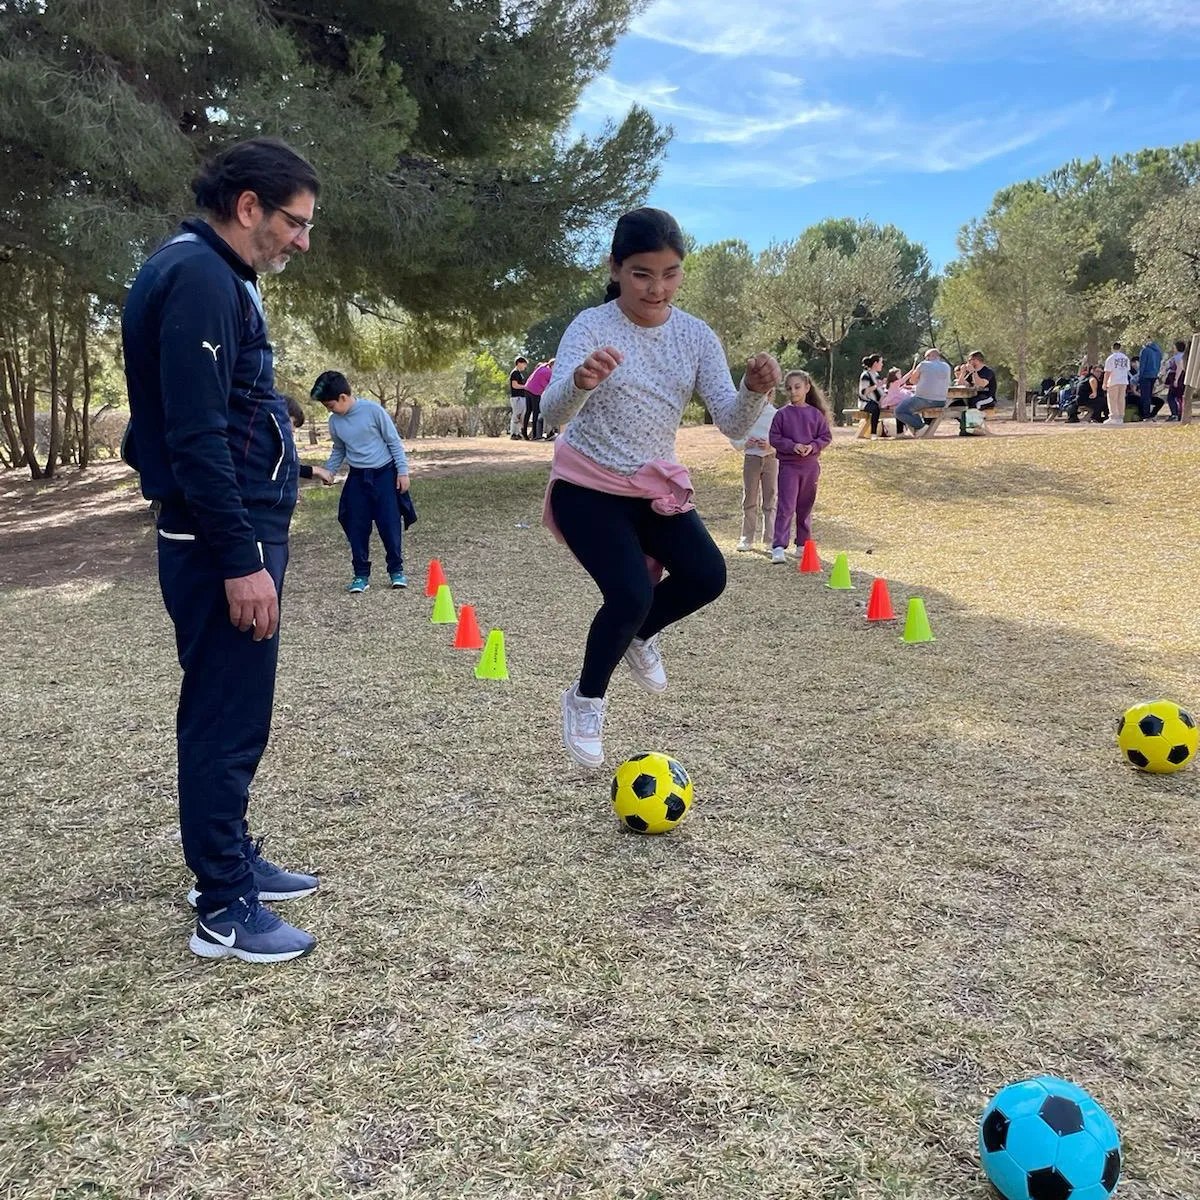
[[213, 444]]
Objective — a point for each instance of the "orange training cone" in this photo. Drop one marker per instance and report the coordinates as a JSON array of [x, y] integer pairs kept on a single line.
[[435, 578], [879, 606], [467, 635], [810, 564]]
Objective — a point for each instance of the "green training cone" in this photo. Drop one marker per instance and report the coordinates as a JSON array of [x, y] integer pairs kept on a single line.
[[491, 664], [839, 577], [443, 607], [916, 624]]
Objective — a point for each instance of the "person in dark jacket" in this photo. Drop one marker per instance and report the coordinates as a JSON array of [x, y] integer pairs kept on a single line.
[[212, 442]]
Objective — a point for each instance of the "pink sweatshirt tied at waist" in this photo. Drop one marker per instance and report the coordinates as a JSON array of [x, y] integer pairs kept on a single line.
[[667, 486]]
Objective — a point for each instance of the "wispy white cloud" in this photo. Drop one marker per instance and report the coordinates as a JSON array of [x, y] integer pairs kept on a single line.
[[904, 28], [753, 119]]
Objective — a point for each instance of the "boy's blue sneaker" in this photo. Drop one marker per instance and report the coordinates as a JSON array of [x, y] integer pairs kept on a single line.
[[272, 882], [399, 579], [359, 583], [250, 932]]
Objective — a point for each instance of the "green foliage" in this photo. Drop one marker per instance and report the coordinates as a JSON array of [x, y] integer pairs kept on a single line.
[[719, 283], [486, 381]]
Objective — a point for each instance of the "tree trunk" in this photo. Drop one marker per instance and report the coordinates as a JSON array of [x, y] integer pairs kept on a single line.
[[85, 428], [1020, 412], [55, 408], [1093, 345], [414, 423]]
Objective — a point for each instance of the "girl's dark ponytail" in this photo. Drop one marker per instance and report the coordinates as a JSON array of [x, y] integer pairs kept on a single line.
[[612, 291]]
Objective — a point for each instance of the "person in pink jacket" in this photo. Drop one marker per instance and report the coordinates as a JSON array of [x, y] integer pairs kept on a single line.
[[799, 432], [535, 385]]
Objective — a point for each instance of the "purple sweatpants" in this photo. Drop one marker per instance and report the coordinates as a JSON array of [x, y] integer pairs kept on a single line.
[[797, 495]]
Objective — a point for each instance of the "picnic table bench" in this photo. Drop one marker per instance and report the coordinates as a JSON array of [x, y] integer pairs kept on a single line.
[[934, 414]]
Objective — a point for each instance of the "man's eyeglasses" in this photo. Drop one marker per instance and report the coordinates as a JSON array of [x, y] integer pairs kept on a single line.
[[297, 223]]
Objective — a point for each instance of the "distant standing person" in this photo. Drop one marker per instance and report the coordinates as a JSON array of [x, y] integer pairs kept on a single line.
[[364, 435], [516, 397], [213, 443], [930, 382], [537, 384], [760, 481], [799, 432], [1116, 380], [1149, 366], [1174, 380]]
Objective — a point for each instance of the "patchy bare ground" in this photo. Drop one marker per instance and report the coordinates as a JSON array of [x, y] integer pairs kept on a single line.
[[911, 875]]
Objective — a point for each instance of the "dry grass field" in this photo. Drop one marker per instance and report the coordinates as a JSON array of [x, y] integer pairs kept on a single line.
[[912, 874]]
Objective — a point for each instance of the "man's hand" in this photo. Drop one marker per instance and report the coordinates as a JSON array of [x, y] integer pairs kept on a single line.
[[762, 374], [254, 604], [402, 483], [597, 367], [323, 475]]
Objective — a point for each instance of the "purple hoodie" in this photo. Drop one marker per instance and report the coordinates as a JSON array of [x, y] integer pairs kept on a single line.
[[799, 425]]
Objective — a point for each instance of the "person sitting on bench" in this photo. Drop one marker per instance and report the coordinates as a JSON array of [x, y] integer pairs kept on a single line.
[[930, 380]]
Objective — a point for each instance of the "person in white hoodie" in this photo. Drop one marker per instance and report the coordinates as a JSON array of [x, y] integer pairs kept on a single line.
[[760, 481]]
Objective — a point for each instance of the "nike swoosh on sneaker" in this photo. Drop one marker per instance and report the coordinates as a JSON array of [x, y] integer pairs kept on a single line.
[[220, 937]]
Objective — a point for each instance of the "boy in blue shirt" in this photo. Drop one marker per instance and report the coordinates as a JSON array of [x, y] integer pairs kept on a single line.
[[365, 436]]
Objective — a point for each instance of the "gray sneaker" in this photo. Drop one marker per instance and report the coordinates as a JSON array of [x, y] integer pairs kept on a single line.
[[645, 661], [583, 726]]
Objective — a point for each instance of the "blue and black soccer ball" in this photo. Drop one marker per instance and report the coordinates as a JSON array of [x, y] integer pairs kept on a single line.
[[1047, 1139]]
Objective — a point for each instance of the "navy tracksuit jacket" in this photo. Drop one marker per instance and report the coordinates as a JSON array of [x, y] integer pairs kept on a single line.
[[213, 443]]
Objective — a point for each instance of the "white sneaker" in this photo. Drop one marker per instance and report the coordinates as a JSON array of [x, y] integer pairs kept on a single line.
[[777, 555], [743, 545], [1113, 421], [583, 726], [645, 661]]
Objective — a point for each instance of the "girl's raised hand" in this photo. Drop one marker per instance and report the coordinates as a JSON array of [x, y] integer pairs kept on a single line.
[[762, 373], [597, 367]]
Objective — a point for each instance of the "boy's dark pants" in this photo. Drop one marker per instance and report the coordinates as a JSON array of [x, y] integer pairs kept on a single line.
[[369, 495], [224, 716]]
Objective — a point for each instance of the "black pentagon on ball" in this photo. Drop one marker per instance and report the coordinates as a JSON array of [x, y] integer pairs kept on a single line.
[[1112, 1169], [636, 822], [1062, 1114], [644, 786], [615, 789], [675, 807], [1048, 1183], [1137, 758], [1151, 725], [995, 1130], [1120, 723], [637, 757], [1186, 718], [1177, 754], [678, 774]]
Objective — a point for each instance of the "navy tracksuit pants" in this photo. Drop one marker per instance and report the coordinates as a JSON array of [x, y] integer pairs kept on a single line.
[[369, 497], [224, 715]]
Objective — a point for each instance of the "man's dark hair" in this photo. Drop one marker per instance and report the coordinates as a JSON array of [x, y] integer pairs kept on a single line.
[[520, 359], [1181, 346], [269, 168], [643, 231], [329, 386], [295, 412], [1116, 345], [979, 354]]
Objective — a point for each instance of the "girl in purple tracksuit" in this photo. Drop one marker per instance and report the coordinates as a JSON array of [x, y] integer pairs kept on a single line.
[[799, 432]]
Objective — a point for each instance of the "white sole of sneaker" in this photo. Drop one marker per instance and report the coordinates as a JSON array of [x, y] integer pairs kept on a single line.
[[193, 896], [584, 760], [203, 949], [645, 683]]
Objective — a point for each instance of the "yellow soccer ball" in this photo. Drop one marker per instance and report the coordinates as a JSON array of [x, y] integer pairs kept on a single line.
[[1157, 736], [651, 793]]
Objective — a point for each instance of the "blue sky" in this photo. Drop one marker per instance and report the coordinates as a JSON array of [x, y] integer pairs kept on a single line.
[[789, 111]]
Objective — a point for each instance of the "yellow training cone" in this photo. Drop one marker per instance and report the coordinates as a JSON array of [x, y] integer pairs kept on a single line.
[[916, 624], [491, 663], [443, 607], [839, 577]]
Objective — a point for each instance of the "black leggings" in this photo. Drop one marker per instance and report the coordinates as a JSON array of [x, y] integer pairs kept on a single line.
[[533, 413], [611, 536], [872, 407]]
